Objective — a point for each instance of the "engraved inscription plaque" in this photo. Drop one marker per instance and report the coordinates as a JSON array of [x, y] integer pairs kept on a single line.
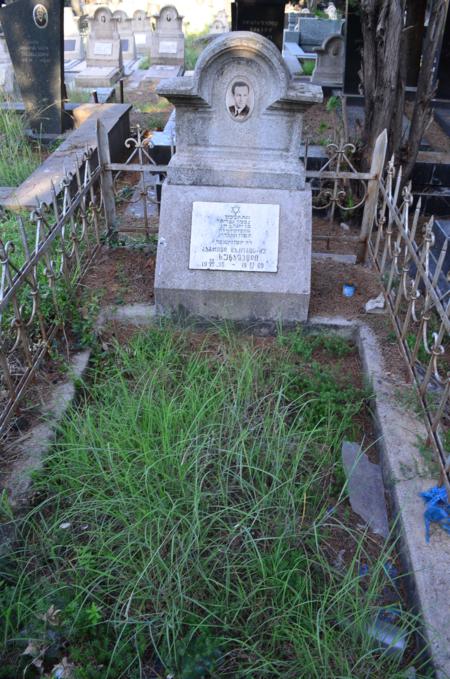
[[167, 47], [103, 49], [234, 237], [139, 38], [69, 45]]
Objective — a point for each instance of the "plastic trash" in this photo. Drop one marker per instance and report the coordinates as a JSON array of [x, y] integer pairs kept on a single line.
[[348, 289], [437, 509]]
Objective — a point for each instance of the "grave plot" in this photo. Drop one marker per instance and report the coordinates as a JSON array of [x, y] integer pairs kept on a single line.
[[192, 518]]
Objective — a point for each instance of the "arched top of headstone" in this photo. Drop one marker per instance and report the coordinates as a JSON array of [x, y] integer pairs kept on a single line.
[[240, 112], [168, 15], [140, 15], [103, 15], [120, 15], [333, 45]]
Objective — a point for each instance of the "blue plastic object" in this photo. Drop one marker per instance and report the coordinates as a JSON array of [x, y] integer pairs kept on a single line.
[[437, 509]]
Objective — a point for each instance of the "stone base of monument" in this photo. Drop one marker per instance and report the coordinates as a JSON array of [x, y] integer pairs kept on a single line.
[[247, 257], [100, 76], [164, 71]]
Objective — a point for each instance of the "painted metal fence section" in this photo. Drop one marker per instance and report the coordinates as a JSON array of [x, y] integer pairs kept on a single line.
[[41, 261], [415, 288]]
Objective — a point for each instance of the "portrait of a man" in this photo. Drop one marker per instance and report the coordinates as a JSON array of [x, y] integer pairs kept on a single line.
[[40, 16], [240, 100]]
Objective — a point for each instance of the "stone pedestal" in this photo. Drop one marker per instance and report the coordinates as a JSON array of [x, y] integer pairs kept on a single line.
[[235, 224]]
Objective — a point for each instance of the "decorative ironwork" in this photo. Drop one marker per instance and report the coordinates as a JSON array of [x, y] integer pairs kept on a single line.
[[414, 283], [41, 261], [145, 191], [338, 184]]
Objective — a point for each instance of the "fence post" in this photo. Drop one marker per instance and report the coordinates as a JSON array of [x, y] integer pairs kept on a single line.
[[106, 178], [373, 188]]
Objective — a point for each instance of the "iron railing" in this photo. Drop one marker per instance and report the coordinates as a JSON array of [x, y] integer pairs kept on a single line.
[[42, 259]]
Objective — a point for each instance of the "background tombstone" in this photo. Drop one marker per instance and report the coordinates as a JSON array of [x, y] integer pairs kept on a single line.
[[73, 44], [125, 29], [104, 53], [329, 71], [314, 31], [167, 47], [142, 30], [6, 68], [235, 223], [34, 35], [265, 17], [353, 53]]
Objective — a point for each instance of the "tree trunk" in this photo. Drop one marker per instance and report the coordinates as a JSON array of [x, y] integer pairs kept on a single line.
[[426, 85], [415, 20], [382, 23]]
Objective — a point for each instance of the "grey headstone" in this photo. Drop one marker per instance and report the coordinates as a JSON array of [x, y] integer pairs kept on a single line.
[[167, 41], [235, 227], [314, 31], [365, 487], [329, 71]]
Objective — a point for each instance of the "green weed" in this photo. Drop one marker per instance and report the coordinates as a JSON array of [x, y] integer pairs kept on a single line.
[[182, 520], [14, 146]]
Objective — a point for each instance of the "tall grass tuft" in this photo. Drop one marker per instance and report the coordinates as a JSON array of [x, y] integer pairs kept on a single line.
[[182, 523], [18, 156]]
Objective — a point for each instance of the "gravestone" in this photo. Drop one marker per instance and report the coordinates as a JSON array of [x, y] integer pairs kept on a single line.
[[34, 35], [125, 29], [104, 53], [6, 67], [235, 224], [167, 45], [314, 31], [353, 53], [265, 17], [142, 31], [73, 44], [329, 71], [220, 24]]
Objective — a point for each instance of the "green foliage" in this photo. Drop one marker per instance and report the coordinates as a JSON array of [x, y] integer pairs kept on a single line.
[[182, 519], [19, 157], [308, 66], [192, 49], [144, 63], [334, 103]]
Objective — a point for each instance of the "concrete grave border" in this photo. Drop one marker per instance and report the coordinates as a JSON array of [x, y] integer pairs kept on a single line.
[[405, 471]]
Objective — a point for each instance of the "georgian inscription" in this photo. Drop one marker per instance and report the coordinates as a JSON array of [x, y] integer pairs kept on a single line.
[[167, 47], [234, 237], [103, 49], [34, 51]]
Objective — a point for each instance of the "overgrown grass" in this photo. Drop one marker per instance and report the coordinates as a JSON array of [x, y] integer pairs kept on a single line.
[[182, 523], [19, 157]]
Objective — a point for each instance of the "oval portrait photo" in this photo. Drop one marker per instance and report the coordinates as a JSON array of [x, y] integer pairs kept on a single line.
[[40, 16], [240, 99]]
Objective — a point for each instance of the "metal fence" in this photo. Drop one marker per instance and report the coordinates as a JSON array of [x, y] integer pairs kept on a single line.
[[414, 281], [42, 259]]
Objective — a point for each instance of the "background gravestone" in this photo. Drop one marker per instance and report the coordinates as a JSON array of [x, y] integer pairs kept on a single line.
[[353, 53], [104, 52], [127, 41], [265, 17], [34, 34], [235, 224], [167, 46], [6, 68], [73, 44], [329, 69], [142, 30]]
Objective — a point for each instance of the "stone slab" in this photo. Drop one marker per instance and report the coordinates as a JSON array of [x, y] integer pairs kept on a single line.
[[365, 488], [101, 76], [66, 158], [164, 71], [234, 295]]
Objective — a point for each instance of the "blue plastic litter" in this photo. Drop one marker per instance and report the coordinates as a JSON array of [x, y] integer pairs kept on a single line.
[[437, 509], [363, 570]]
